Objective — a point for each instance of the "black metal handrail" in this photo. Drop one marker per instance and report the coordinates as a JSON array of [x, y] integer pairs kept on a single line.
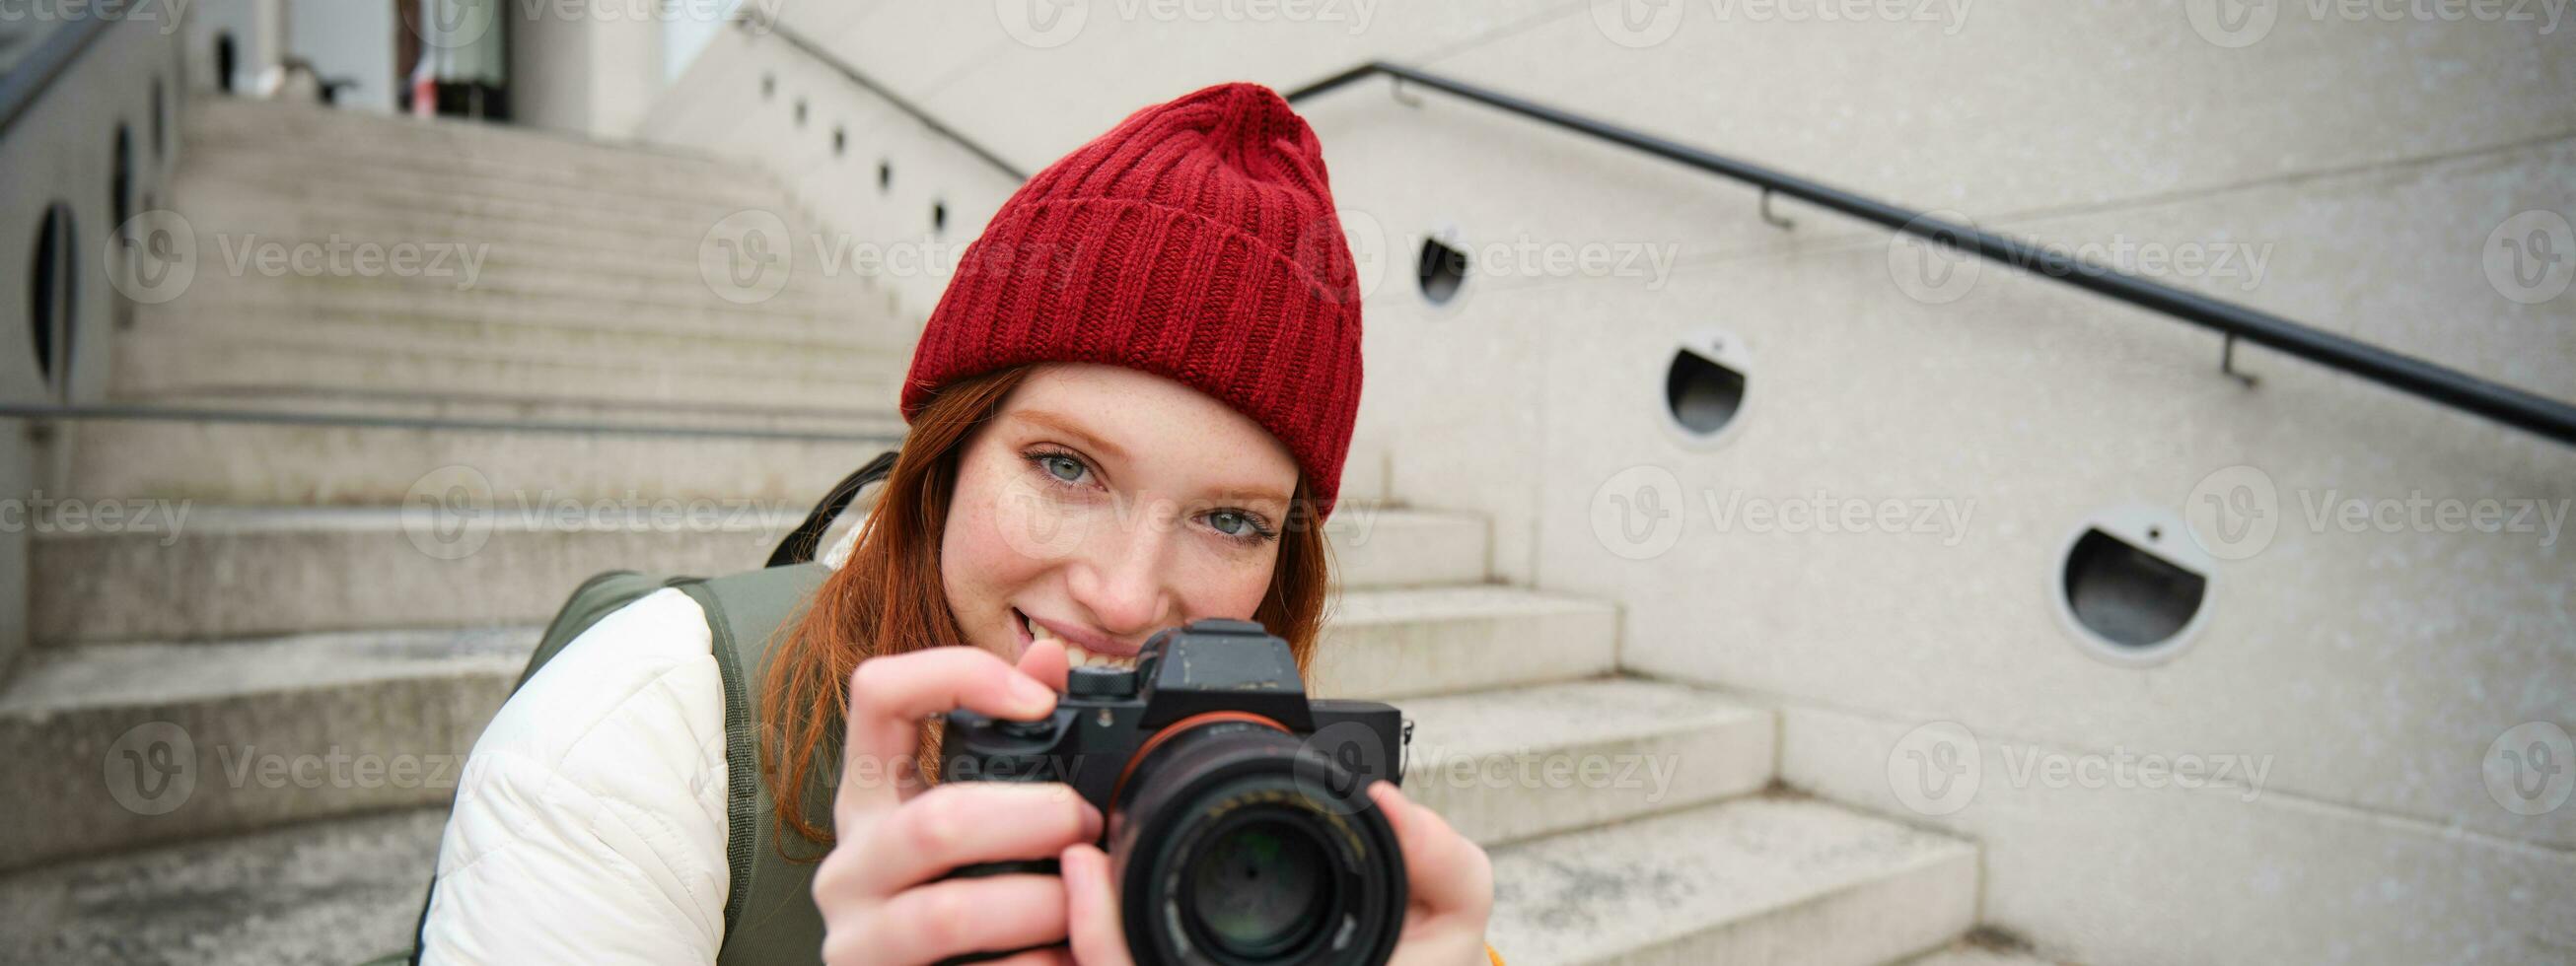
[[2552, 418], [753, 22], [32, 74]]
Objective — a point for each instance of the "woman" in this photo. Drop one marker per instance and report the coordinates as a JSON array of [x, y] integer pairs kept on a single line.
[[1129, 410]]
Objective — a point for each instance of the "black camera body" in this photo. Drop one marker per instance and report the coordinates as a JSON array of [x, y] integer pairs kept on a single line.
[[1238, 823]]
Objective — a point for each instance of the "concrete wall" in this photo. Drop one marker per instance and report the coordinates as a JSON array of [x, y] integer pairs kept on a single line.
[[61, 151], [2369, 176], [592, 68]]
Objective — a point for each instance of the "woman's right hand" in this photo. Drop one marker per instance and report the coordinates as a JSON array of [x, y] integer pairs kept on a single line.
[[880, 890]]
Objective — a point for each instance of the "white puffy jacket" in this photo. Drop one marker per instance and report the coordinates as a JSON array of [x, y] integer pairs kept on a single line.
[[589, 824]]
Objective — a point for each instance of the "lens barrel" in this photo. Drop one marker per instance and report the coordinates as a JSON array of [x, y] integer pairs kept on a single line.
[[1234, 844]]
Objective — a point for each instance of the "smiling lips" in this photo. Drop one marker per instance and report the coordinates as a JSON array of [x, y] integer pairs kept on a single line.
[[1075, 654]]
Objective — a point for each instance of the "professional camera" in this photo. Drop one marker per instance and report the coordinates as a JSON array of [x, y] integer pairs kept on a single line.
[[1239, 828]]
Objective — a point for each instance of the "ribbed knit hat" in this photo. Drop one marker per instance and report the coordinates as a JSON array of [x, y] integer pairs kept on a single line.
[[1197, 241]]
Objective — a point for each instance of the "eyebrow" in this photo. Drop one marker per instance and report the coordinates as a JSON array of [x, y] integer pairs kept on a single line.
[[1069, 427]]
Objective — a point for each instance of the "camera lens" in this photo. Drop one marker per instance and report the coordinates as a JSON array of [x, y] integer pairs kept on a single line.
[[1259, 888], [1235, 844]]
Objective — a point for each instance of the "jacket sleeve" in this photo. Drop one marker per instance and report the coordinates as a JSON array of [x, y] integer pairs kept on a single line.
[[589, 824]]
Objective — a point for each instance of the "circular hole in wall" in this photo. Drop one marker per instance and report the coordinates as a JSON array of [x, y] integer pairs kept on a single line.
[[1705, 386], [2131, 595], [1441, 269], [53, 292], [885, 176], [938, 216]]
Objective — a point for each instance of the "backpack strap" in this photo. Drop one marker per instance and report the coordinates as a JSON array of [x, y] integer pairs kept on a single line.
[[769, 912]]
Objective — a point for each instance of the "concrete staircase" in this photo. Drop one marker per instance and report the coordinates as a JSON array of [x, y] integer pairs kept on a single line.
[[278, 692]]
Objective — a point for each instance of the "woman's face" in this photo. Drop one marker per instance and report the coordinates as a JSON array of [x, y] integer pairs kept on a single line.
[[1102, 504]]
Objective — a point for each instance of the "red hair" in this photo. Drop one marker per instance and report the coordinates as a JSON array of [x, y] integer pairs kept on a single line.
[[887, 598]]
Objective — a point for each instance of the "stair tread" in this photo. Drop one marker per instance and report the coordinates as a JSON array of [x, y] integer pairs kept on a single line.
[[1568, 714], [1576, 897], [339, 891], [1400, 604], [1594, 895], [148, 674]]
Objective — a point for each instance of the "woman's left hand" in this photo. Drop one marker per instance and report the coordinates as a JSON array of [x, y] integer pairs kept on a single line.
[[1450, 881]]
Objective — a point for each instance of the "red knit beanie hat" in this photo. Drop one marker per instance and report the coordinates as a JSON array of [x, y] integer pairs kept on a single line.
[[1197, 241]]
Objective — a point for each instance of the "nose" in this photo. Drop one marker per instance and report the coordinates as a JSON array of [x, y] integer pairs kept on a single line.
[[1121, 576]]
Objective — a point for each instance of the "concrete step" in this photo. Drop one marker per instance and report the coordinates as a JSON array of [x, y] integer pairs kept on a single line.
[[867, 319], [150, 365], [1507, 765], [255, 464], [1768, 879], [721, 345], [296, 186], [122, 746], [689, 191], [1391, 644], [1971, 952], [233, 227], [240, 264], [414, 700], [328, 893], [248, 124], [233, 572]]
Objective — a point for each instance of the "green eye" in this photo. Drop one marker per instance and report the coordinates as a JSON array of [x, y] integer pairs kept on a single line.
[[1064, 468], [1230, 523]]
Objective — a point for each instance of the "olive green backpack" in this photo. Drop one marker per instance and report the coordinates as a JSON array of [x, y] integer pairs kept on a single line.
[[769, 913]]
